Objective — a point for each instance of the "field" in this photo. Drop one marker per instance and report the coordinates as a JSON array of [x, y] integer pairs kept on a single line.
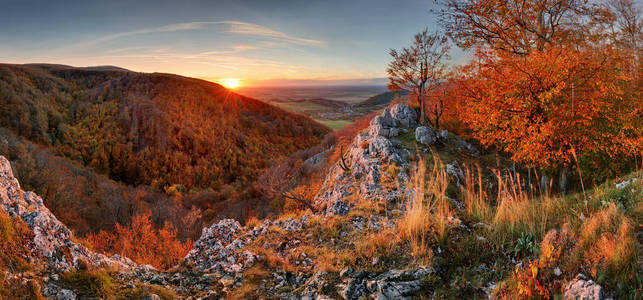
[[335, 124], [333, 106]]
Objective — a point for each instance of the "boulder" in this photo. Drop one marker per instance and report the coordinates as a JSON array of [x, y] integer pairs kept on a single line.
[[405, 115], [65, 294], [425, 135], [580, 288], [216, 249], [397, 290], [353, 289], [444, 134]]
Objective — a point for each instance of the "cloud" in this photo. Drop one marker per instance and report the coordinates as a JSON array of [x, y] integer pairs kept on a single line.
[[257, 30], [220, 59], [231, 27]]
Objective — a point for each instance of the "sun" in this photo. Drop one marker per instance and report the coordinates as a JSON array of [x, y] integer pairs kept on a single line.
[[231, 83]]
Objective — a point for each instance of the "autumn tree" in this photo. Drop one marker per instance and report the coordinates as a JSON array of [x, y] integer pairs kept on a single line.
[[546, 85], [545, 107], [419, 68]]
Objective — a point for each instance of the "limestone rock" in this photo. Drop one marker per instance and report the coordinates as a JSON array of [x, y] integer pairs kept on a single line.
[[405, 115], [368, 152], [52, 239], [580, 288], [425, 135]]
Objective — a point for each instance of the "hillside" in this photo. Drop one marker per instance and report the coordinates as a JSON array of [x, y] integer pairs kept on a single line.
[[153, 134], [390, 221], [380, 100], [139, 128]]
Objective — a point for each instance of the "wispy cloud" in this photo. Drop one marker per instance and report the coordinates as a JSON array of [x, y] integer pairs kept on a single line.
[[220, 59], [230, 27]]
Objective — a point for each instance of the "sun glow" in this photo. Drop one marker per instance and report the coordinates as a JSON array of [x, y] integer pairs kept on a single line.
[[231, 83]]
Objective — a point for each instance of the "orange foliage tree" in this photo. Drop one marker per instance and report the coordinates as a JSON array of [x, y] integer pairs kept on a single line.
[[142, 243], [546, 107], [547, 85]]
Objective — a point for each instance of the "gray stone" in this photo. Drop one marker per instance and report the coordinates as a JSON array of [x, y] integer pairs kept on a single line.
[[397, 290], [152, 297], [425, 135], [353, 289], [65, 294], [444, 134], [580, 288], [405, 115]]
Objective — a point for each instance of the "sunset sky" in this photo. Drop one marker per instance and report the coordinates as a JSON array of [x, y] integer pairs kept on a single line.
[[259, 42]]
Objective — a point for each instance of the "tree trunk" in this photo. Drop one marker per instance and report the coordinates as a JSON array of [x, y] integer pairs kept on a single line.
[[544, 184], [421, 104], [562, 181], [437, 118]]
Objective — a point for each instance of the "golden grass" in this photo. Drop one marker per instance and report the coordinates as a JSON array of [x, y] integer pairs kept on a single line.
[[474, 196], [608, 241], [428, 211]]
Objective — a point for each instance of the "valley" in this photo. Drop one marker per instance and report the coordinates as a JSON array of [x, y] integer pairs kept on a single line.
[[333, 106]]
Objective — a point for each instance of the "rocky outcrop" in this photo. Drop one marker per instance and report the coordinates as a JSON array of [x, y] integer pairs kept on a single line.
[[582, 288], [367, 154], [215, 251], [355, 284], [52, 239], [405, 115]]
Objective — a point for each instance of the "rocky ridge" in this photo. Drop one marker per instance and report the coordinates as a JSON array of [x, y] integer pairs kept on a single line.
[[370, 151], [52, 240]]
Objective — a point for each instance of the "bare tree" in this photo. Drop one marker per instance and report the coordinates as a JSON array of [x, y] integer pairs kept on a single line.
[[628, 20], [629, 32], [518, 26], [437, 105], [420, 67]]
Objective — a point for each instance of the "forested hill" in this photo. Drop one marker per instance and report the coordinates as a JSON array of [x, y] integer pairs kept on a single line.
[[153, 129]]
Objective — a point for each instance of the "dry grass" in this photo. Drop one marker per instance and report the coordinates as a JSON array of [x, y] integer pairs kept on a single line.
[[607, 240], [474, 195], [519, 210], [428, 210]]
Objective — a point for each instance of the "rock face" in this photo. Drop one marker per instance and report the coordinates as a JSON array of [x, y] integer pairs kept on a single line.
[[215, 250], [52, 239], [220, 249], [425, 135], [393, 284], [367, 154], [583, 289]]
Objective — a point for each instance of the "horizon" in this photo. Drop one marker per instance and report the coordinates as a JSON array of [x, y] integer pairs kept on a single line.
[[257, 44]]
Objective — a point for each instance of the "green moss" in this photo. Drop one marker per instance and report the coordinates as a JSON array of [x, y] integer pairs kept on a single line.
[[330, 289], [141, 291], [86, 284]]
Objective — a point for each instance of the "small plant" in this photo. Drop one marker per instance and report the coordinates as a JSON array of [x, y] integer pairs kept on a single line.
[[528, 281], [526, 245]]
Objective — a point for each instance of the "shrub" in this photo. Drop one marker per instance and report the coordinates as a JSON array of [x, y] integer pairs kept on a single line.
[[143, 243], [526, 245]]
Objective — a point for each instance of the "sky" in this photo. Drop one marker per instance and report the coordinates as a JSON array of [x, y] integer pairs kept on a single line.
[[260, 42]]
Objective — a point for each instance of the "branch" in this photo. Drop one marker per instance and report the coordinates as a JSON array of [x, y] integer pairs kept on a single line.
[[304, 201], [342, 162]]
